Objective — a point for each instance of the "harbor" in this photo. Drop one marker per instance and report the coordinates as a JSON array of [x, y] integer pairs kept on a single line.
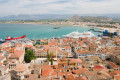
[[96, 30], [106, 32], [38, 31]]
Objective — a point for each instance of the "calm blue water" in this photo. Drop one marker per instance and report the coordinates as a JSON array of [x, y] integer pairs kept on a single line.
[[37, 31]]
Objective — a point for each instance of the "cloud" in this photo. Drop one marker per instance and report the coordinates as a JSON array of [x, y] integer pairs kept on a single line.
[[15, 7]]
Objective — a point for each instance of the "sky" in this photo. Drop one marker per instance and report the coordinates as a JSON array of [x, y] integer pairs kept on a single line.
[[17, 7]]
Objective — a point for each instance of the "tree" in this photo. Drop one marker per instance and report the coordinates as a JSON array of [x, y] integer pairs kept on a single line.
[[29, 55], [50, 57], [108, 59]]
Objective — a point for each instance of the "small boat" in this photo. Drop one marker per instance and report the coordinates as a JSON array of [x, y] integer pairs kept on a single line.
[[56, 27], [2, 41], [8, 38]]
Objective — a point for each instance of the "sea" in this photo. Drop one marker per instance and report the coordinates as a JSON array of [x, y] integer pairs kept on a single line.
[[39, 31]]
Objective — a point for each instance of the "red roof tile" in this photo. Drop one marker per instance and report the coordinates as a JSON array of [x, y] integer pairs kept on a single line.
[[75, 60], [47, 71], [113, 65], [117, 77], [17, 54], [21, 67]]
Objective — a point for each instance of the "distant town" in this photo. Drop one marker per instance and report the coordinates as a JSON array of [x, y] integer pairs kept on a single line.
[[85, 21]]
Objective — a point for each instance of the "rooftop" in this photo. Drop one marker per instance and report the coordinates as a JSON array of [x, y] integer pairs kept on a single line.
[[21, 67], [17, 54]]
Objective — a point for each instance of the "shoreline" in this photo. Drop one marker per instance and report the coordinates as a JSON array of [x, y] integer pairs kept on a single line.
[[52, 23], [45, 24], [109, 29]]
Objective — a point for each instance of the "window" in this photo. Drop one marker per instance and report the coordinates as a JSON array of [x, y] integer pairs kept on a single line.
[[26, 76]]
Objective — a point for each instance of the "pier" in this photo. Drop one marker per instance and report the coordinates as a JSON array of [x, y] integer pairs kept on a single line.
[[93, 29]]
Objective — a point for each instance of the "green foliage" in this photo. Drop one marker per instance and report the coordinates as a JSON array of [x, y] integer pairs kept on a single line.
[[44, 43], [37, 43], [108, 59], [34, 43], [40, 43], [50, 57], [5, 62], [29, 55]]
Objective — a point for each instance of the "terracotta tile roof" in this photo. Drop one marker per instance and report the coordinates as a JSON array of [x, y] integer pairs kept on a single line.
[[62, 61], [69, 76], [28, 46], [80, 78], [55, 66], [97, 75], [61, 73], [17, 54], [113, 65], [111, 74], [99, 67], [79, 71], [47, 71], [80, 42], [5, 44], [65, 40], [117, 77], [56, 70], [21, 67], [75, 61], [55, 43], [85, 52], [20, 45], [67, 47], [117, 72]]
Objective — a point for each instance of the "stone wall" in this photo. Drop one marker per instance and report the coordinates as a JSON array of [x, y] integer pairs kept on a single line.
[[5, 77]]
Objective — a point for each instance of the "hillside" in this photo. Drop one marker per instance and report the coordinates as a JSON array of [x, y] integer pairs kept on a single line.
[[90, 19]]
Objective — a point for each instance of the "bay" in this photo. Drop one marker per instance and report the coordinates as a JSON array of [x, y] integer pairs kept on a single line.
[[38, 31]]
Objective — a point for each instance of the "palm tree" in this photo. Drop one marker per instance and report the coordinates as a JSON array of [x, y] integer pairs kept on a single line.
[[50, 57]]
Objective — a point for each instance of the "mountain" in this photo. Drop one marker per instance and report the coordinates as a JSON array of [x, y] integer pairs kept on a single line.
[[75, 18], [90, 18], [35, 17], [84, 17]]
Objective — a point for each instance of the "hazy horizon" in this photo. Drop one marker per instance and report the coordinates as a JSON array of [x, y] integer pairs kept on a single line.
[[32, 7]]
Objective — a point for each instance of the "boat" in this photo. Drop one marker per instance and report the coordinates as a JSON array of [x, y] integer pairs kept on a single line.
[[8, 38], [108, 33], [2, 41], [56, 27], [76, 34]]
